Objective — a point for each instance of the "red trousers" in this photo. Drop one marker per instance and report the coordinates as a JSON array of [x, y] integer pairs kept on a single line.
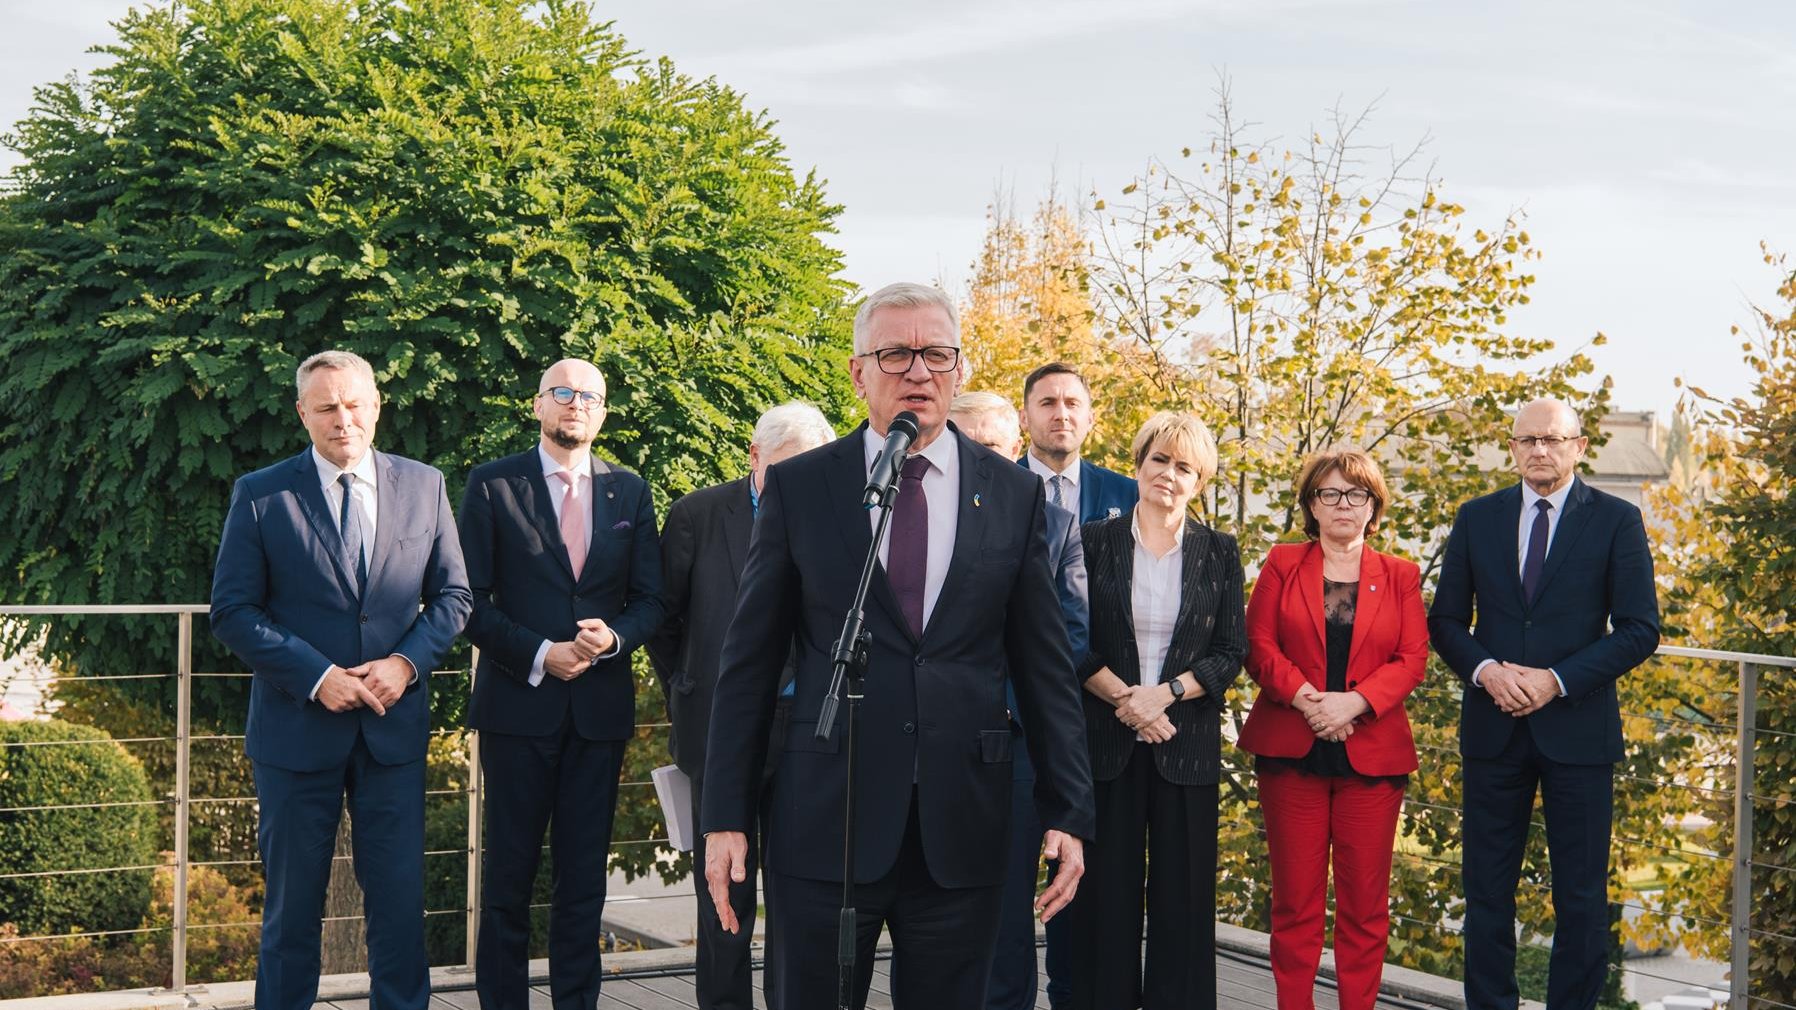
[[1307, 818]]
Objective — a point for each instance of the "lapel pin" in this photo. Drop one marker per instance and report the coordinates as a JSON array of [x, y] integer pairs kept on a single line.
[[1374, 588], [611, 494], [975, 501]]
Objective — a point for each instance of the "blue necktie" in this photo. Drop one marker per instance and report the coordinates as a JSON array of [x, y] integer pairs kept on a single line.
[[350, 524], [1537, 551]]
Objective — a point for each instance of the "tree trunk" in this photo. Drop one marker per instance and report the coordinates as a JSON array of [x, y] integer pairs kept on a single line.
[[344, 947]]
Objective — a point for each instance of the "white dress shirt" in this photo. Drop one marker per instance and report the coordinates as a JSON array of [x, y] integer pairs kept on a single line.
[[1525, 533], [1154, 601], [941, 486], [1069, 481], [582, 471], [365, 492]]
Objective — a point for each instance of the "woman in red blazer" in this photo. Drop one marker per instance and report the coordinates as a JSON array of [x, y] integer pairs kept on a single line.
[[1336, 638]]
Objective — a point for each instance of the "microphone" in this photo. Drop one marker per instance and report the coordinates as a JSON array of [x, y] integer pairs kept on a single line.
[[890, 461]]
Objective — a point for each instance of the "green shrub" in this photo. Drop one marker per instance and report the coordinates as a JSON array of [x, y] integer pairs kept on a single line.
[[38, 768]]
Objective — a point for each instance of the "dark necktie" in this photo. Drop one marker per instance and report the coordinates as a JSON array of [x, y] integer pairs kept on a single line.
[[907, 552], [349, 523], [1537, 551]]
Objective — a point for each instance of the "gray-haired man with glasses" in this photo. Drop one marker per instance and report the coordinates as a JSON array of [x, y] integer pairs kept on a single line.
[[565, 568]]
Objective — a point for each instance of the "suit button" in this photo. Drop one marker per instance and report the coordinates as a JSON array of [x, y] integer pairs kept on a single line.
[[576, 597], [1352, 684], [910, 727], [920, 660], [364, 618]]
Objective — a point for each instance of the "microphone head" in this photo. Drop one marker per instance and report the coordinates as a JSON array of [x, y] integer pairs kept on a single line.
[[906, 421]]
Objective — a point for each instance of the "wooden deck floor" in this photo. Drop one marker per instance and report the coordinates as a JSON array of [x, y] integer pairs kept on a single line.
[[1243, 983]]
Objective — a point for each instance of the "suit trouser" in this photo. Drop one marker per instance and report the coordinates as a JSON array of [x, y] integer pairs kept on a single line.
[[1174, 826], [942, 937], [723, 973], [1577, 802], [566, 785], [1308, 819], [296, 832], [1012, 985]]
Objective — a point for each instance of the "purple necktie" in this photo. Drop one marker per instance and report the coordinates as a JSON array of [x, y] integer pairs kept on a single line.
[[907, 552], [1537, 551]]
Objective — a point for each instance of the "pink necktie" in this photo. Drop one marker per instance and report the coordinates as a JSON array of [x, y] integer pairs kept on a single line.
[[573, 529]]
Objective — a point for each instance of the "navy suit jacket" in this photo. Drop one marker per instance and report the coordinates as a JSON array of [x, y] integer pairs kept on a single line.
[[525, 594], [1594, 617], [1103, 494], [284, 601], [934, 719], [1066, 557]]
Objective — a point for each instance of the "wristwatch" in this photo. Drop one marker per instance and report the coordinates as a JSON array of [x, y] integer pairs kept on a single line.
[[1178, 689]]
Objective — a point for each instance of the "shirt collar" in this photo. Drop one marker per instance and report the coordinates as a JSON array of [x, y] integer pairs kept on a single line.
[[1069, 476], [1529, 497], [582, 468], [328, 472], [1178, 536], [941, 453]]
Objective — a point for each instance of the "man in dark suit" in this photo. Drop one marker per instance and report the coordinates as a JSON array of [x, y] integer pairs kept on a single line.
[[958, 600], [324, 561], [1561, 580], [990, 420], [1057, 411], [566, 575], [703, 548]]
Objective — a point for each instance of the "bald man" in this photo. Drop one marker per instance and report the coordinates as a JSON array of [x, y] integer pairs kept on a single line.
[[565, 567], [1560, 579]]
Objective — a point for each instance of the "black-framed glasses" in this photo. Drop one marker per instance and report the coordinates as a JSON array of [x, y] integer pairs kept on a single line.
[[897, 360], [1355, 497], [1544, 441], [564, 395]]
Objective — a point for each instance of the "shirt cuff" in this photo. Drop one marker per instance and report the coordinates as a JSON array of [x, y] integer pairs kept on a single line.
[[413, 679], [1556, 680], [617, 648], [536, 665], [1480, 669], [320, 683]]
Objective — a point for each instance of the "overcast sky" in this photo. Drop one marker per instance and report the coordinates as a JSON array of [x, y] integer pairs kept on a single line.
[[1652, 145]]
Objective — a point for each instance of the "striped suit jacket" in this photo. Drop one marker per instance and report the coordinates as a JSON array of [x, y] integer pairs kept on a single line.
[[1210, 640]]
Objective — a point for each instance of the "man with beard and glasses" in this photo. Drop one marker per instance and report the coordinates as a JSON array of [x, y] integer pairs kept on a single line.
[[565, 568]]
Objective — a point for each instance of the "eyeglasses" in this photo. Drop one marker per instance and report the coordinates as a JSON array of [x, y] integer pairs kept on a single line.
[[1544, 441], [565, 395], [1332, 496], [897, 360]]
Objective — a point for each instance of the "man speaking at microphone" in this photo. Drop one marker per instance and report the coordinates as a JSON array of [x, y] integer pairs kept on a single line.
[[962, 597]]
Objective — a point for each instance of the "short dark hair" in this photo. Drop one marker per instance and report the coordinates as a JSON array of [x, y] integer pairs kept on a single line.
[[1053, 368]]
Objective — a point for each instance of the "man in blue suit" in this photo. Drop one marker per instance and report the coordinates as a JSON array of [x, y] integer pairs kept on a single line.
[[1560, 578], [1057, 411], [990, 420], [565, 567], [322, 567]]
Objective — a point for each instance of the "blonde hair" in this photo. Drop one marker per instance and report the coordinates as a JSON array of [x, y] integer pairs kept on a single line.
[[1356, 468], [1184, 435]]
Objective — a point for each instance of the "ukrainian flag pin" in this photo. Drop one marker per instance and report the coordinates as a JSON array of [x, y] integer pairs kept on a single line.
[[975, 501]]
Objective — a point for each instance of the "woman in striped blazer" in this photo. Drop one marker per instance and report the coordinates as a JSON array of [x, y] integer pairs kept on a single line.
[[1167, 640]]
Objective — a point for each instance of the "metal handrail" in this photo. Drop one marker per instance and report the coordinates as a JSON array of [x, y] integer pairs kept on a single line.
[[1744, 794]]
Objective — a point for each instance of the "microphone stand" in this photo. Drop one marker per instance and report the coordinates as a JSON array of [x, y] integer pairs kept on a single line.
[[849, 660]]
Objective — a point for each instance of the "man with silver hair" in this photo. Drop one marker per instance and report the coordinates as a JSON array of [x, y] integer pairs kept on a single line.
[[703, 548], [340, 584], [991, 421], [955, 611]]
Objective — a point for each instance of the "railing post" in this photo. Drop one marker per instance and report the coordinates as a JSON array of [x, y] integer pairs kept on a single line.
[[183, 745], [473, 901], [1745, 743]]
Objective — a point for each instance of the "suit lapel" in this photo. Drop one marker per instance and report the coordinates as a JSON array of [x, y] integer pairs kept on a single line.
[[386, 523], [1192, 554], [1509, 539], [1577, 515], [1122, 574], [738, 525], [1309, 588], [1372, 591], [316, 507], [846, 477], [969, 530], [541, 510]]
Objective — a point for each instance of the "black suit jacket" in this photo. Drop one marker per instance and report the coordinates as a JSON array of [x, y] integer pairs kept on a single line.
[[704, 545], [525, 594], [933, 721], [1210, 640], [1594, 617]]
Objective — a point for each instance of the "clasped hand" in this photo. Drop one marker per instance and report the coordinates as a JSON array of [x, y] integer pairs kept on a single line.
[[567, 660], [1518, 690], [376, 684], [1143, 709], [1331, 714]]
